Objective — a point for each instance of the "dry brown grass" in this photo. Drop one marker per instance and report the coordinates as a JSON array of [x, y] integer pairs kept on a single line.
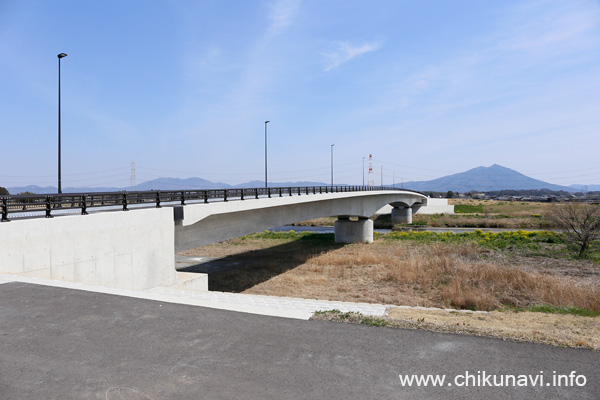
[[554, 329], [323, 221], [490, 221], [514, 208], [495, 214], [404, 273]]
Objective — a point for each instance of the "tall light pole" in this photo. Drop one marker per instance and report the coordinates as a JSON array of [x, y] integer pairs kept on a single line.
[[61, 55], [363, 171], [382, 176], [266, 122], [332, 164]]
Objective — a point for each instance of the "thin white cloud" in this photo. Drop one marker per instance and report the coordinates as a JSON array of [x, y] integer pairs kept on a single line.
[[531, 37], [346, 51], [282, 14], [551, 27]]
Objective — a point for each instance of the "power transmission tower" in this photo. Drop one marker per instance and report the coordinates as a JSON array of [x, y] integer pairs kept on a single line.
[[132, 184]]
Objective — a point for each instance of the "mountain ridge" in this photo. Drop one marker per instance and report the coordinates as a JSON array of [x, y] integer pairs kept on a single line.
[[485, 179], [481, 179]]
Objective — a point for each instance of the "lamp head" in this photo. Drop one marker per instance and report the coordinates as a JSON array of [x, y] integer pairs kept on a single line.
[[61, 55], [266, 122]]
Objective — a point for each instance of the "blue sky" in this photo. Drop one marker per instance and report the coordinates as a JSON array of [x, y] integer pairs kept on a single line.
[[183, 89]]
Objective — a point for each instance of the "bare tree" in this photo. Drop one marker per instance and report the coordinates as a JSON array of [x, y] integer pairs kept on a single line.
[[580, 224]]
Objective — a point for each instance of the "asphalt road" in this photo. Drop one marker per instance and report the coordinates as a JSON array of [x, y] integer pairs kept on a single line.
[[67, 344]]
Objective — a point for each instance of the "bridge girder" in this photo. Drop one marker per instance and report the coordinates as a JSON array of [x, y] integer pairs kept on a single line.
[[211, 223]]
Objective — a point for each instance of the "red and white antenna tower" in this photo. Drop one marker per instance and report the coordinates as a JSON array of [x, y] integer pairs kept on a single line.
[[371, 178]]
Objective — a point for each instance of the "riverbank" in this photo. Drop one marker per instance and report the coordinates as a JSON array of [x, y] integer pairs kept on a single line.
[[469, 213], [477, 271]]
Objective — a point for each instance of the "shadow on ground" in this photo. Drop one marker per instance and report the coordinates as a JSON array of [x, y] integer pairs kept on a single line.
[[239, 272], [383, 221]]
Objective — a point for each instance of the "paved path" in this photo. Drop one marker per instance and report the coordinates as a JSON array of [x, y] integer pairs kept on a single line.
[[286, 307], [59, 343], [276, 303]]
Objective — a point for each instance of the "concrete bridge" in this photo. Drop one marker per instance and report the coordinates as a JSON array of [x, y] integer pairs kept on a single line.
[[135, 250], [199, 225]]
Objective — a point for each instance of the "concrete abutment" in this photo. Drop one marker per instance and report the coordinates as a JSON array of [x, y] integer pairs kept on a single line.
[[401, 215], [349, 231]]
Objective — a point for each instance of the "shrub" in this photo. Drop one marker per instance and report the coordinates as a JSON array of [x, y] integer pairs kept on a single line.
[[580, 224]]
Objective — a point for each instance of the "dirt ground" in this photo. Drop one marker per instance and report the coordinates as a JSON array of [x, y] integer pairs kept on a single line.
[[553, 329], [407, 274]]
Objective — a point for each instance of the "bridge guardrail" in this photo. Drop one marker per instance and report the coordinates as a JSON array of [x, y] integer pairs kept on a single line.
[[48, 203]]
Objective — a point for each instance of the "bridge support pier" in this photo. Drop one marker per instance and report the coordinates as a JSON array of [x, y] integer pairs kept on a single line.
[[347, 231], [401, 215]]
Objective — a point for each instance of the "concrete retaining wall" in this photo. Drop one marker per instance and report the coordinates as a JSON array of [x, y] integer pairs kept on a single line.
[[129, 250], [436, 206]]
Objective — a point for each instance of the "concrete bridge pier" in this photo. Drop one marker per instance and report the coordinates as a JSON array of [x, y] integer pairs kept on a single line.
[[401, 215], [348, 231]]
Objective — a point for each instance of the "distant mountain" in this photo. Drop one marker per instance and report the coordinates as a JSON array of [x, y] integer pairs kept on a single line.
[[32, 189], [52, 189], [180, 184], [199, 183], [259, 184], [162, 184], [483, 179]]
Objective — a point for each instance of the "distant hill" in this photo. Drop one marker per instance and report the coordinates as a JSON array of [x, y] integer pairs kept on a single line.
[[199, 183], [163, 184], [32, 189], [259, 184], [180, 184], [53, 189], [483, 179]]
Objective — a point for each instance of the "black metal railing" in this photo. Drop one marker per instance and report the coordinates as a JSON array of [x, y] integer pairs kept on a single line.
[[48, 203]]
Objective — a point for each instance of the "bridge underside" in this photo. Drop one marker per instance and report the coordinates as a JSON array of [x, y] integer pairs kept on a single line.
[[202, 224]]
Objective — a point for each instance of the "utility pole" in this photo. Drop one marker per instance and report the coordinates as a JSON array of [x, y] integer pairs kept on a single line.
[[332, 164], [266, 122], [363, 171], [61, 55]]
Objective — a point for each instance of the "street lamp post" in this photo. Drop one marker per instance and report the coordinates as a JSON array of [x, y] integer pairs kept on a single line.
[[266, 122], [332, 165], [61, 55], [363, 171]]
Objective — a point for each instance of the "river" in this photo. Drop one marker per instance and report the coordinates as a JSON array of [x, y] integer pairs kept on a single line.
[[330, 229]]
